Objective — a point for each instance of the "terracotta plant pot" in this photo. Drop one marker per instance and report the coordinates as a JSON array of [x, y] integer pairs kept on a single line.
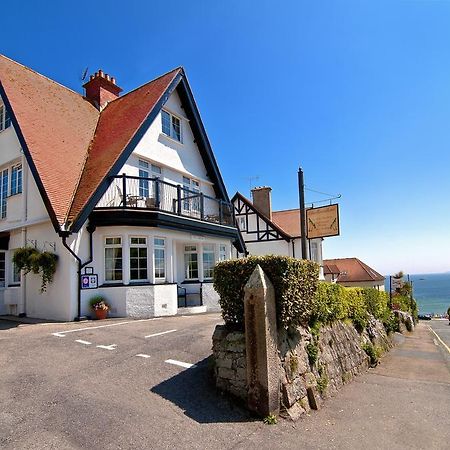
[[101, 314]]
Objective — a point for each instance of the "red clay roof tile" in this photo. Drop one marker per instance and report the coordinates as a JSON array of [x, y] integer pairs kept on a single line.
[[353, 270], [72, 145], [57, 125]]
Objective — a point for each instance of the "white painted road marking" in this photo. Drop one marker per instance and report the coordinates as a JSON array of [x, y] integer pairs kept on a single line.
[[180, 363], [160, 334], [108, 347], [63, 333], [439, 339], [83, 342], [143, 355]]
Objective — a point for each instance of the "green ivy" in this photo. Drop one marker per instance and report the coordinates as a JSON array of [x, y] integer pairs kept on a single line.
[[32, 260]]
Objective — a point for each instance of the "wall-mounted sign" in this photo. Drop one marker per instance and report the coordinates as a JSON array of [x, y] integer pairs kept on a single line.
[[323, 221], [89, 281]]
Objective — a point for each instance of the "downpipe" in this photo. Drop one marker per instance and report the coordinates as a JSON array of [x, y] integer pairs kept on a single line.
[[64, 236]]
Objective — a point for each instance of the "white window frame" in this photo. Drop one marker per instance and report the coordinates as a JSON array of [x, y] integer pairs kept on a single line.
[[172, 134], [4, 186], [5, 120], [192, 251], [138, 245], [106, 246], [223, 252], [157, 246], [15, 186], [212, 250], [192, 185]]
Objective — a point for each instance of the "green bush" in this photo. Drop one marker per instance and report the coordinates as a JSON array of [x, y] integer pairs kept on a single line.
[[295, 282], [313, 352], [372, 352]]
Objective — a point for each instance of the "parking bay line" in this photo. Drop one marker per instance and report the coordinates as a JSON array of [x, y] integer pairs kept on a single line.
[[142, 355], [180, 363], [160, 334], [63, 333], [107, 347], [83, 342]]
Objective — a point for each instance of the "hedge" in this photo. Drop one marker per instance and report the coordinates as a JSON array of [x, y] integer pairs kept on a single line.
[[295, 282], [300, 298]]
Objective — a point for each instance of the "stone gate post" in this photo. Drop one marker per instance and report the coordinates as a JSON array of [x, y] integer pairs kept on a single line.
[[263, 364]]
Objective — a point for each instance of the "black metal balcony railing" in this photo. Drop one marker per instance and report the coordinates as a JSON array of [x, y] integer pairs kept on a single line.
[[154, 194]]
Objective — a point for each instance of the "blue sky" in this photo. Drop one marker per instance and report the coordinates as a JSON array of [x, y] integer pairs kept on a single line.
[[356, 92]]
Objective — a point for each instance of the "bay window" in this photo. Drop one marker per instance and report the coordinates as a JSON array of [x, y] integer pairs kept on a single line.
[[160, 259], [113, 259], [208, 261], [138, 259]]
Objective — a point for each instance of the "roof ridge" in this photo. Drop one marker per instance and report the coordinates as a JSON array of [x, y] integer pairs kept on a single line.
[[46, 77], [148, 82]]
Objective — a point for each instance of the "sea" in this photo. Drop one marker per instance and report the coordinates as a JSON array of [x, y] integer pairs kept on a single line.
[[431, 291]]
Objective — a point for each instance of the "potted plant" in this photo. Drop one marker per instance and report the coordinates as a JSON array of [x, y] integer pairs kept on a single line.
[[99, 306]]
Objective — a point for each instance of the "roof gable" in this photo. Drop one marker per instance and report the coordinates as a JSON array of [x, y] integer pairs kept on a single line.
[[352, 270], [55, 126], [122, 124], [239, 198], [72, 148]]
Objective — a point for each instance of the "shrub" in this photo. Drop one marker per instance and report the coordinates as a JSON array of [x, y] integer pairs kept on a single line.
[[313, 351], [294, 280], [32, 260], [356, 308], [372, 352]]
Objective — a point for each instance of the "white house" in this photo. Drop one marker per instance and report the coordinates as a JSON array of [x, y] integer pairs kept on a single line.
[[271, 232], [352, 272], [123, 188]]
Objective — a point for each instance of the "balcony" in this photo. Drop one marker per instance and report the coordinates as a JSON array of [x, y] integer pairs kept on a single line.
[[151, 195]]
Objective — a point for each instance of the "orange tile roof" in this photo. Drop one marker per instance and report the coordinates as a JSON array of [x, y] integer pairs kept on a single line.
[[72, 147], [57, 125], [288, 220], [351, 270], [118, 123]]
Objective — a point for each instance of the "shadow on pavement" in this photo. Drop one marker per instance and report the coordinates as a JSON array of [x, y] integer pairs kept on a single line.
[[193, 391], [6, 325]]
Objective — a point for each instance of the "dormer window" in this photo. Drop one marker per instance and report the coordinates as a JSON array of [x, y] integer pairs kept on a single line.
[[5, 120], [171, 125]]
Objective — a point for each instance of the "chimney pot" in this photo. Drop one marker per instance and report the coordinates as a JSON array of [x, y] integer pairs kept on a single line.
[[101, 89]]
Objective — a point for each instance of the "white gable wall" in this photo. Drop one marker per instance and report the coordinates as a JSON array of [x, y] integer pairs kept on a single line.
[[177, 159]]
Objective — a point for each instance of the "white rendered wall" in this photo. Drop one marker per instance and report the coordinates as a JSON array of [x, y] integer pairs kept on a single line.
[[177, 159]]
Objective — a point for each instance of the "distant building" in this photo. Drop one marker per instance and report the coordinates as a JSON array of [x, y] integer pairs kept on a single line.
[[352, 272], [268, 232]]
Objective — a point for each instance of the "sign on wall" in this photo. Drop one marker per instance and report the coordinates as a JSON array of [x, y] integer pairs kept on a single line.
[[89, 281], [323, 221]]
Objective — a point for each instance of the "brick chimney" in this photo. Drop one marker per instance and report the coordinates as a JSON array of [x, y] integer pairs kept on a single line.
[[262, 200], [101, 89]]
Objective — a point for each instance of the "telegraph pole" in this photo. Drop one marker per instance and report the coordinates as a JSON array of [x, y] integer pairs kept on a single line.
[[301, 194]]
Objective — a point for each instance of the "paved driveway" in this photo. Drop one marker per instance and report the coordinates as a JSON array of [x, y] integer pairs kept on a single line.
[[144, 385]]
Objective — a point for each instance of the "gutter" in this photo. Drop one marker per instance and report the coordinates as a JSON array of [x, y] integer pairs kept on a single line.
[[64, 235]]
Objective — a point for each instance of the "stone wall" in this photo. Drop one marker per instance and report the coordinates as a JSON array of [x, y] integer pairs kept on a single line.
[[230, 368], [314, 366]]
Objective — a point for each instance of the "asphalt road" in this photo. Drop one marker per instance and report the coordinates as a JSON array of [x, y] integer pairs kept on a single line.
[[130, 385]]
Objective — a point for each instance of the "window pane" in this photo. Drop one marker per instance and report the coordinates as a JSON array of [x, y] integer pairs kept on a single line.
[[113, 241], [156, 169], [165, 118], [143, 164], [176, 128]]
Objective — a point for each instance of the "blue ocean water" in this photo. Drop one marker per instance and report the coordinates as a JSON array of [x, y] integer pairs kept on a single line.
[[431, 291]]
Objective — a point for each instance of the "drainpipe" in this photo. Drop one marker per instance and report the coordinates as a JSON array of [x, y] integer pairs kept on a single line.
[[23, 278], [64, 236]]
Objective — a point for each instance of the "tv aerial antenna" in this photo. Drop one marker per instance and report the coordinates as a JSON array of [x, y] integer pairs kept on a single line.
[[84, 74]]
